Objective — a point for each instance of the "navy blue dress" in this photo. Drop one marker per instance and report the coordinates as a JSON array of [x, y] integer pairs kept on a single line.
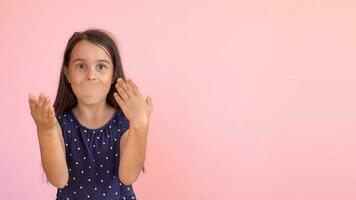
[[93, 159]]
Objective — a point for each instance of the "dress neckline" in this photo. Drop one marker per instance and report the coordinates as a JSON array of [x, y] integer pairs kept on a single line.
[[95, 129]]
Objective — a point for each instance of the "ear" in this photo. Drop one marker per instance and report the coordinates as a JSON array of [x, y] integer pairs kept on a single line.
[[66, 73]]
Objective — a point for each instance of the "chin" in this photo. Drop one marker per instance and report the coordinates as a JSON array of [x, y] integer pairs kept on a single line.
[[89, 100]]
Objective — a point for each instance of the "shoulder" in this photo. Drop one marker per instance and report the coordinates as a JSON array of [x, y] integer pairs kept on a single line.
[[63, 117], [121, 121]]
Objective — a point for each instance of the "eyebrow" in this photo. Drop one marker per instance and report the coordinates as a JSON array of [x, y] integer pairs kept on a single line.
[[100, 60]]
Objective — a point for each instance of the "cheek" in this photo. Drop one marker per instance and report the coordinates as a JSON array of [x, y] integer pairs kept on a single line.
[[77, 80], [107, 85], [107, 79], [77, 77]]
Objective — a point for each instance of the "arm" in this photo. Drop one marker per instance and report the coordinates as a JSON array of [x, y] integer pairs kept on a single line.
[[50, 140], [132, 153], [133, 143], [53, 155]]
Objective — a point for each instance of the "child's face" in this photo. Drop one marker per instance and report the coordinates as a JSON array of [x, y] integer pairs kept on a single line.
[[90, 72]]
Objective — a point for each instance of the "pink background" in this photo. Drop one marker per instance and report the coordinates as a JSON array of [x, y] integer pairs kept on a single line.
[[253, 99]]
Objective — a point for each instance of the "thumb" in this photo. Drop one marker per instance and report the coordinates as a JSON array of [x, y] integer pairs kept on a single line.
[[149, 102]]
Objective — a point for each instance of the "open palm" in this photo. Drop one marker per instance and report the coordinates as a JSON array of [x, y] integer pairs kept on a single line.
[[42, 111]]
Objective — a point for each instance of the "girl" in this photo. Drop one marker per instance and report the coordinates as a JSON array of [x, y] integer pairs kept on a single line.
[[93, 139]]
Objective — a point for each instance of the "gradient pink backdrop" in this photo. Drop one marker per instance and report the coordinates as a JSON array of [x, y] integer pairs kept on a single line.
[[253, 100]]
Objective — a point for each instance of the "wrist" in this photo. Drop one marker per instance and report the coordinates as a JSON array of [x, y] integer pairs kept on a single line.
[[140, 126], [46, 130]]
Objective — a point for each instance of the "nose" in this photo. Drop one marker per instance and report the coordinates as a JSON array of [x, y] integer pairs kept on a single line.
[[91, 75]]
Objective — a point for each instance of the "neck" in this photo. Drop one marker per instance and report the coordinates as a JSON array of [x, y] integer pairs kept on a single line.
[[92, 112]]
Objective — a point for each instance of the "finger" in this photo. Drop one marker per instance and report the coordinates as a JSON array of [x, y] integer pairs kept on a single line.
[[125, 86], [44, 112], [48, 109], [35, 101], [122, 93], [134, 87], [118, 99], [32, 103], [40, 104], [51, 113], [149, 103]]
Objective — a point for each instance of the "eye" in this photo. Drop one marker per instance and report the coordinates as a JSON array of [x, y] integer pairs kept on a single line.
[[102, 66], [80, 66]]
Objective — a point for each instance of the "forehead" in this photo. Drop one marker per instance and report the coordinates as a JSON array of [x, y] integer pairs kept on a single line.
[[89, 51]]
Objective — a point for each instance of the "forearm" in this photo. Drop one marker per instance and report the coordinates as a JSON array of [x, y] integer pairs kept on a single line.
[[53, 157], [133, 154]]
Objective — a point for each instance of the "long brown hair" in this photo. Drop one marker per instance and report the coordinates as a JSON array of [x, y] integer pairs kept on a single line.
[[65, 98]]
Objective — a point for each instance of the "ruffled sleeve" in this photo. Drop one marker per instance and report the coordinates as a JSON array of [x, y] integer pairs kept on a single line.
[[63, 124], [124, 124]]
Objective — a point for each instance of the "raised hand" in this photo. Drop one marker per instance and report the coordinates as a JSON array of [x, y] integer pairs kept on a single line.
[[136, 109], [42, 112]]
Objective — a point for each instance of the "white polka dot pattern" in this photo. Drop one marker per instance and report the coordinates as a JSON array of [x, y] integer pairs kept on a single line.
[[93, 158]]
